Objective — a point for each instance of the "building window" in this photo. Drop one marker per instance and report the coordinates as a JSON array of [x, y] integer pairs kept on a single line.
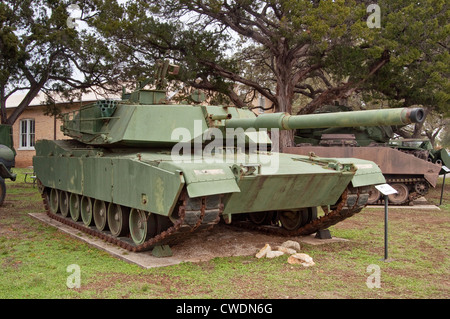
[[26, 141]]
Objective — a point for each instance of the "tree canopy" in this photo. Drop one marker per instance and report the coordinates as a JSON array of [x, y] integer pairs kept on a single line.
[[322, 51], [290, 42], [41, 50], [313, 51]]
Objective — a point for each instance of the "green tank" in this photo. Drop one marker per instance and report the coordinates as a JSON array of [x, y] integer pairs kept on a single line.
[[411, 166], [143, 173], [7, 159]]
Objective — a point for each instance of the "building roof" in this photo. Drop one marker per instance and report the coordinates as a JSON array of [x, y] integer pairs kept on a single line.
[[40, 99]]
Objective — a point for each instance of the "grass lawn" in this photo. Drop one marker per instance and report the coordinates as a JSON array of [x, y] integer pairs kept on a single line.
[[34, 259]]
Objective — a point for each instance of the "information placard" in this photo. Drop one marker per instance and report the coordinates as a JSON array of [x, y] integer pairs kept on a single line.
[[386, 189]]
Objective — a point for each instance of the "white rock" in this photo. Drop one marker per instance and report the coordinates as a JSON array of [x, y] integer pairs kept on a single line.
[[302, 259], [291, 244], [263, 251], [274, 253], [286, 250]]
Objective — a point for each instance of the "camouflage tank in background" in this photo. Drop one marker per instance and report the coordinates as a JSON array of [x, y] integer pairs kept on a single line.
[[409, 166], [143, 173], [422, 148], [7, 159]]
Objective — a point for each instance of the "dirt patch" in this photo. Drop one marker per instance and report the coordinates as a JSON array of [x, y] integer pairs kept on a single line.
[[220, 241], [224, 241]]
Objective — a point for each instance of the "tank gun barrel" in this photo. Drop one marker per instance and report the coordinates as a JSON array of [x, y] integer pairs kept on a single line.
[[284, 121]]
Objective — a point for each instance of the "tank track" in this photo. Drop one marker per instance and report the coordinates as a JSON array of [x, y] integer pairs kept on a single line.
[[192, 216], [412, 196], [352, 201]]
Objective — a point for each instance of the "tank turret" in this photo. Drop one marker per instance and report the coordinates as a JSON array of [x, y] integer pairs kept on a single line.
[[121, 173], [144, 121]]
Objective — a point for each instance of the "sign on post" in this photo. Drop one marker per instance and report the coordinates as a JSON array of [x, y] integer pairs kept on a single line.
[[446, 170], [386, 190]]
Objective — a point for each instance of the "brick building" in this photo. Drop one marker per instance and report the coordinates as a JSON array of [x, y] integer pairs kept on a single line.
[[33, 125]]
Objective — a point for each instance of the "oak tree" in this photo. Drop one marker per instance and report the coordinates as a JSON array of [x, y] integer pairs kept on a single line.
[[43, 50], [324, 51]]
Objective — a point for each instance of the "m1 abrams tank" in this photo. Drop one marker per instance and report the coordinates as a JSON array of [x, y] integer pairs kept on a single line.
[[409, 168], [142, 173], [7, 159]]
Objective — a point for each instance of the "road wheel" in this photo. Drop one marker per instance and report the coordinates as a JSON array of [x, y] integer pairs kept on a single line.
[[401, 196]]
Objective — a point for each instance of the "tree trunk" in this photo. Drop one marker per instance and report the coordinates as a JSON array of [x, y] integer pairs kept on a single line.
[[284, 98], [3, 118], [2, 105], [32, 93], [286, 139], [284, 93]]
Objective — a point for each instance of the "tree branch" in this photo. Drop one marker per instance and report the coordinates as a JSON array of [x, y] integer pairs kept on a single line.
[[235, 77]]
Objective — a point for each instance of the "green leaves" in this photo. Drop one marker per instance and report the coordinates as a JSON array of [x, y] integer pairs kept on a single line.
[[42, 51], [417, 36], [322, 51]]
